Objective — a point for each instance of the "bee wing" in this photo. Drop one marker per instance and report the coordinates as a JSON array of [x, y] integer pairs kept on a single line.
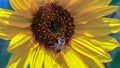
[[58, 47]]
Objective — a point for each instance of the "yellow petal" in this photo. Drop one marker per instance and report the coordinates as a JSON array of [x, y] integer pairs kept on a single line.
[[66, 3], [73, 60], [87, 48], [19, 42], [28, 5], [102, 3], [4, 15], [15, 18], [9, 29], [113, 23], [107, 43], [79, 5], [97, 28], [60, 60], [37, 57], [92, 14], [20, 49], [50, 62], [21, 19], [111, 46], [19, 60], [84, 5], [91, 63], [8, 32]]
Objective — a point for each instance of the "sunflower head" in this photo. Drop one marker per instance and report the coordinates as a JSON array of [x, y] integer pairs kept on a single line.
[[59, 33], [50, 23]]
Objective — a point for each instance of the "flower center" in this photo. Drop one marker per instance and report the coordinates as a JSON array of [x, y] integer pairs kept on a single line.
[[55, 26], [51, 23]]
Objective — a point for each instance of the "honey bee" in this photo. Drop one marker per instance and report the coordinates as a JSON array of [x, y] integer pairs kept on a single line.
[[60, 45]]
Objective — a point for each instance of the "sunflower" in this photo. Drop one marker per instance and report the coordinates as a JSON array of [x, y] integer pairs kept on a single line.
[[59, 33]]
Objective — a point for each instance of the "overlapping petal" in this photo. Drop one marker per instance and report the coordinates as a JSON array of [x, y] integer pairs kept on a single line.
[[10, 17], [31, 5], [111, 43], [92, 14], [83, 5], [75, 60], [20, 54], [21, 19], [87, 48], [98, 27], [71, 58], [52, 63], [9, 27], [37, 58]]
